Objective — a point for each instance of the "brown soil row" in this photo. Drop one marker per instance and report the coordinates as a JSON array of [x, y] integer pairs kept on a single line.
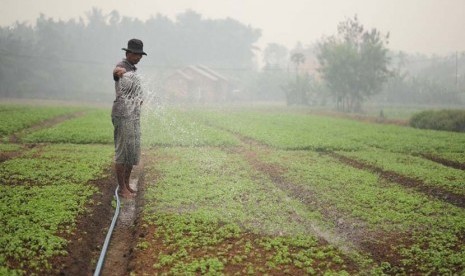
[[445, 162], [418, 185], [143, 260], [118, 260], [86, 241], [349, 234]]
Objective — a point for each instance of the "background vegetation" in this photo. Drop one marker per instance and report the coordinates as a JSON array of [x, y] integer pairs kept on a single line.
[[450, 120], [56, 59]]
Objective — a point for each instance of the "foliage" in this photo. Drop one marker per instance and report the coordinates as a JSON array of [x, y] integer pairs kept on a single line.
[[191, 182], [354, 63], [94, 127], [206, 199], [300, 131], [297, 90], [429, 172], [249, 191], [449, 120], [275, 56], [18, 117], [56, 165], [368, 202], [427, 80], [267, 85], [43, 191], [9, 147], [31, 219], [187, 39]]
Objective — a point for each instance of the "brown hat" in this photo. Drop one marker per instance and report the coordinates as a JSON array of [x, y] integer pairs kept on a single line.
[[135, 46]]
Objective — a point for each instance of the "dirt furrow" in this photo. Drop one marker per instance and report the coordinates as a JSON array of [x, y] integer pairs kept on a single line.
[[445, 162], [349, 235], [86, 241], [123, 241], [418, 185]]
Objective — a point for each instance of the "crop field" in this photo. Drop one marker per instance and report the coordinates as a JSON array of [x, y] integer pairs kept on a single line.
[[234, 191]]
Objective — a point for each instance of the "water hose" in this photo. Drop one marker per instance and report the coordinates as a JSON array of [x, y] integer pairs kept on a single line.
[[107, 239]]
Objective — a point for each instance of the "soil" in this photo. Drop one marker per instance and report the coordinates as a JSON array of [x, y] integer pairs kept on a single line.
[[142, 260], [348, 234], [377, 244], [445, 162], [435, 192], [123, 240], [86, 242]]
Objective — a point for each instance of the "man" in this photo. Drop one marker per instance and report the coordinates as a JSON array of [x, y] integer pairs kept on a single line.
[[125, 115]]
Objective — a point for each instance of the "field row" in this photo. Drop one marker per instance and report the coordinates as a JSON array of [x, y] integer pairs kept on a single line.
[[163, 126], [18, 117], [263, 210], [242, 191], [43, 190]]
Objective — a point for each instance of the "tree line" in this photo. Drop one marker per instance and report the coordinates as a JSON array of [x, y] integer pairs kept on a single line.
[[73, 59], [355, 65]]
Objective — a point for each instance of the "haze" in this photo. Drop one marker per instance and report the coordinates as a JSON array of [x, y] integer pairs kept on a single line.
[[415, 26]]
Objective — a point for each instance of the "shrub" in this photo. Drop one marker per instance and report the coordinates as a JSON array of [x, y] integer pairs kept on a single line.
[[448, 120]]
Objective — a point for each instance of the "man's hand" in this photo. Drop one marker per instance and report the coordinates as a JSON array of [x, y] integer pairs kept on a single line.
[[119, 71]]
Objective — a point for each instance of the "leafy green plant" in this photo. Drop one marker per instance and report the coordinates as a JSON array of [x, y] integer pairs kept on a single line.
[[31, 219], [92, 128], [42, 193], [56, 164], [430, 173], [18, 117]]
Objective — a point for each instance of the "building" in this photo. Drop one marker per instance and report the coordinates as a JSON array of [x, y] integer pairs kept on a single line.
[[197, 84]]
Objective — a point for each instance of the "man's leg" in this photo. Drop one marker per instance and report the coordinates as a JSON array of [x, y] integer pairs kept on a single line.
[[121, 177], [127, 177]]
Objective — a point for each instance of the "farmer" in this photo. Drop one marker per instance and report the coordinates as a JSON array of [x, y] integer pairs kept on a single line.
[[125, 115]]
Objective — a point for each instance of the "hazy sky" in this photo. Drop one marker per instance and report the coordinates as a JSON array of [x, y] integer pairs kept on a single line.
[[425, 26]]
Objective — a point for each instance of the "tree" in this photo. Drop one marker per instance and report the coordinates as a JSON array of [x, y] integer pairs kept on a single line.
[[354, 63], [296, 92], [65, 51], [297, 58], [275, 56]]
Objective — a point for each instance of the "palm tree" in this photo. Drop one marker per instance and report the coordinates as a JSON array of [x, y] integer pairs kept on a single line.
[[297, 58]]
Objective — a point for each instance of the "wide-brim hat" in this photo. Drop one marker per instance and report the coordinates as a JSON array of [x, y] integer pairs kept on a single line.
[[135, 46]]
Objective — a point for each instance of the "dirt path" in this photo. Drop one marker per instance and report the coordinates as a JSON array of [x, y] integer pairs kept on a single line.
[[123, 241]]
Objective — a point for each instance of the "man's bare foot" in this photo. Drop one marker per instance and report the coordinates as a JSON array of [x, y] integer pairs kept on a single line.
[[126, 194], [131, 190]]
